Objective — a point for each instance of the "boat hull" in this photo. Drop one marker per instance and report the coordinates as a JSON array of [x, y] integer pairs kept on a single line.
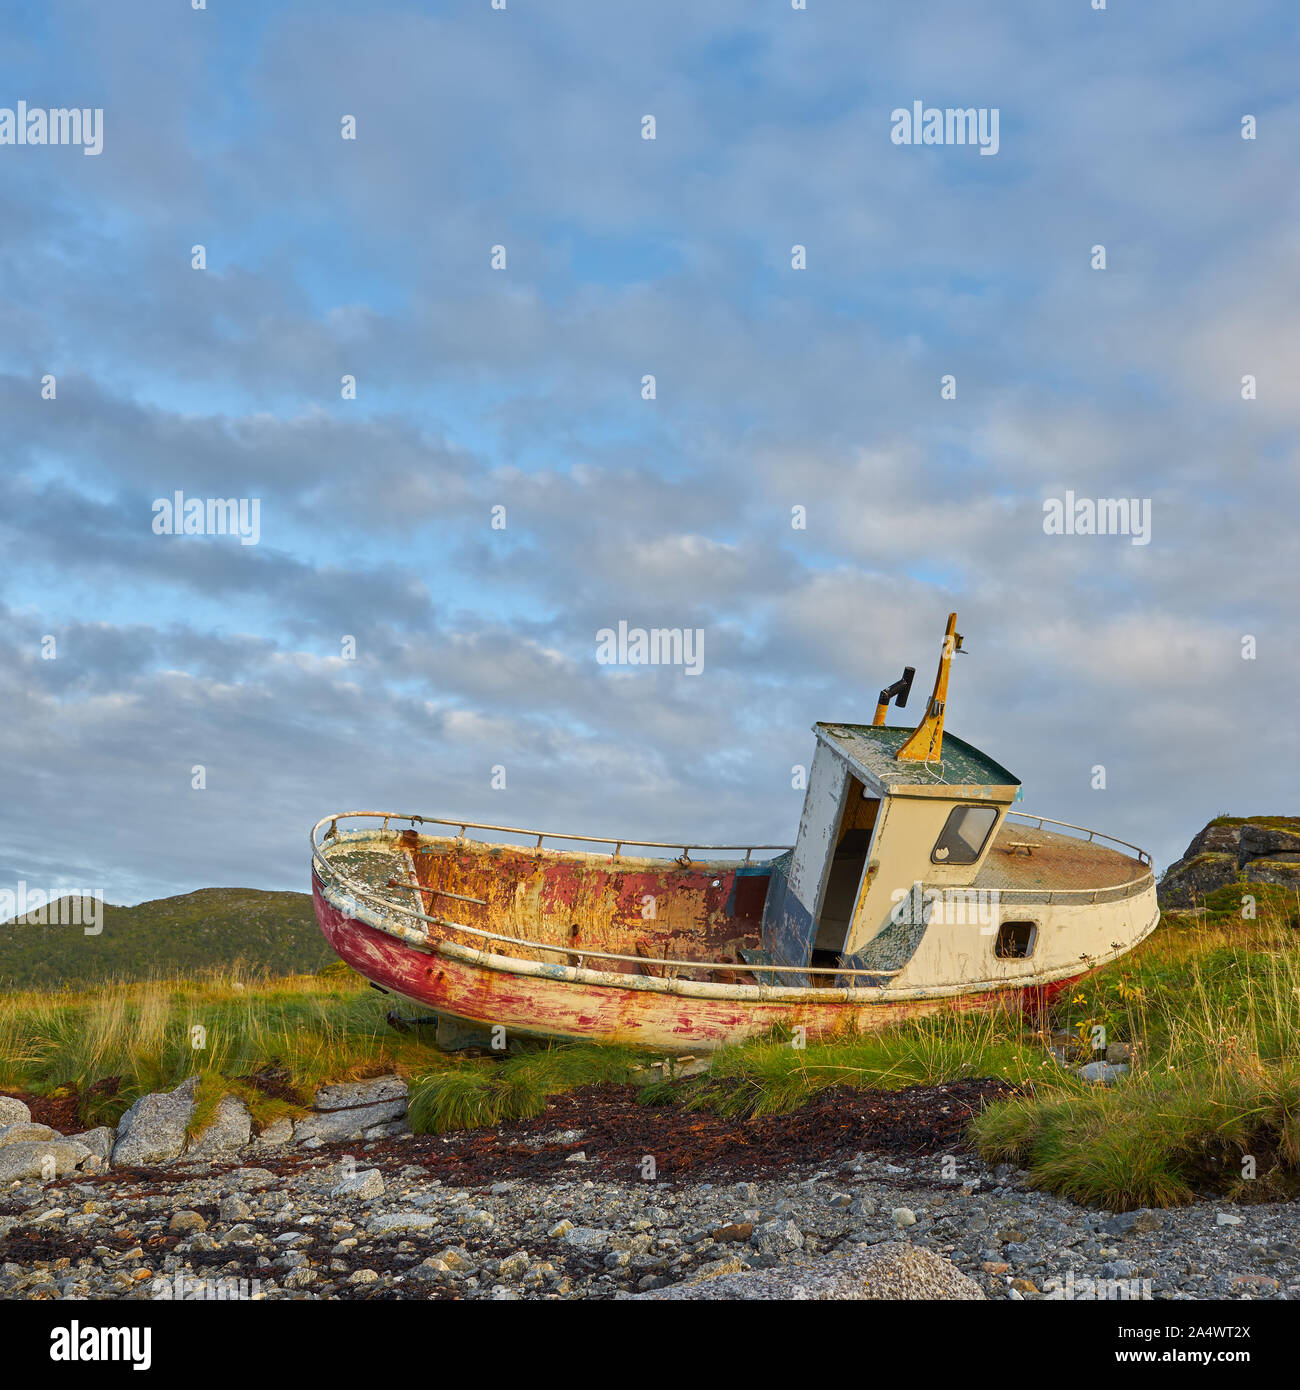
[[534, 1000]]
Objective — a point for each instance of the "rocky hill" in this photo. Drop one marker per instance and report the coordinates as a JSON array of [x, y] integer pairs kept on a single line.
[[1232, 849], [184, 935]]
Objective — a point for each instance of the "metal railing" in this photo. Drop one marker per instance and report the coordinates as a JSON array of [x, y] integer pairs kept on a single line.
[[1093, 835], [540, 835], [1129, 888], [331, 874]]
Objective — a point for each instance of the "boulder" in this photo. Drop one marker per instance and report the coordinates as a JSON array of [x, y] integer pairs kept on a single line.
[[347, 1111], [365, 1185], [1259, 851], [227, 1133], [1188, 880], [1280, 869], [1103, 1073], [893, 1271], [1266, 842], [252, 1179], [588, 1238], [41, 1159], [393, 1222], [351, 1095], [338, 1126], [13, 1111], [1215, 839], [99, 1141], [277, 1134], [153, 1129], [777, 1237], [21, 1132]]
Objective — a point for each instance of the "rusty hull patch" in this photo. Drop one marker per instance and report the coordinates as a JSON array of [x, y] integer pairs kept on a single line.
[[654, 908]]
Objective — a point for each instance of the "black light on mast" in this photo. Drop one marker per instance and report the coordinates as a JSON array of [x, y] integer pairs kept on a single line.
[[899, 691]]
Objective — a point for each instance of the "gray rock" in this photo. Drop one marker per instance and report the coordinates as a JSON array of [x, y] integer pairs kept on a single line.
[[388, 1222], [1189, 880], [1102, 1073], [232, 1209], [153, 1129], [1265, 842], [1215, 839], [586, 1238], [30, 1159], [338, 1126], [99, 1141], [891, 1271], [23, 1132], [350, 1095], [252, 1178], [1132, 1222], [13, 1111], [278, 1133], [1220, 853], [1282, 870], [777, 1237], [228, 1132], [366, 1185], [386, 1131]]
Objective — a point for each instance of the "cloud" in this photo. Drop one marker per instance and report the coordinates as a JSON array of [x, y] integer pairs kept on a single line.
[[776, 389]]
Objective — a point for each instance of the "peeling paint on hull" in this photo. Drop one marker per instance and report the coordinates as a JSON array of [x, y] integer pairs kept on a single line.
[[549, 1004]]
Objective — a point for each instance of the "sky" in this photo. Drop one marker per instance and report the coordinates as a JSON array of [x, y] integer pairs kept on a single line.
[[833, 458]]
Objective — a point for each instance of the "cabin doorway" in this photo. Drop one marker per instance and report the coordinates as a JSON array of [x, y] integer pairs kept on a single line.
[[852, 848]]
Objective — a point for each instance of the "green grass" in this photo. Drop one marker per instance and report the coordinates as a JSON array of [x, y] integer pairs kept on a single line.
[[1213, 1103], [470, 1094], [771, 1076], [115, 1044], [1275, 822], [1209, 1004]]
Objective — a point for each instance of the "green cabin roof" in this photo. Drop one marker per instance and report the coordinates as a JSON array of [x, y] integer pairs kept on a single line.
[[871, 748]]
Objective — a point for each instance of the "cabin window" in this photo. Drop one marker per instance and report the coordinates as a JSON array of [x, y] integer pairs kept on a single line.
[[964, 834], [1015, 940]]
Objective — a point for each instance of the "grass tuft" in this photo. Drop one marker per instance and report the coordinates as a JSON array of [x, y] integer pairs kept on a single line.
[[475, 1093]]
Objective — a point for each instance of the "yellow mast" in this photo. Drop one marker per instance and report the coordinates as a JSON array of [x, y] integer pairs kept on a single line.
[[926, 741]]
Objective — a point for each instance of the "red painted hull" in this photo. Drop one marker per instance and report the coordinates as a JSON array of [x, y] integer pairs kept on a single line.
[[548, 1006]]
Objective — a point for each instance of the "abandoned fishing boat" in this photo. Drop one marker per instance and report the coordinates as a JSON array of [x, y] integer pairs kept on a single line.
[[912, 886]]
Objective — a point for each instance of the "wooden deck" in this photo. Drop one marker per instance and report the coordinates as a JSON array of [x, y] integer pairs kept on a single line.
[[1023, 858]]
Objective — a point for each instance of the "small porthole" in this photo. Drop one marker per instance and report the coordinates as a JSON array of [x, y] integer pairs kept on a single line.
[[1015, 940]]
